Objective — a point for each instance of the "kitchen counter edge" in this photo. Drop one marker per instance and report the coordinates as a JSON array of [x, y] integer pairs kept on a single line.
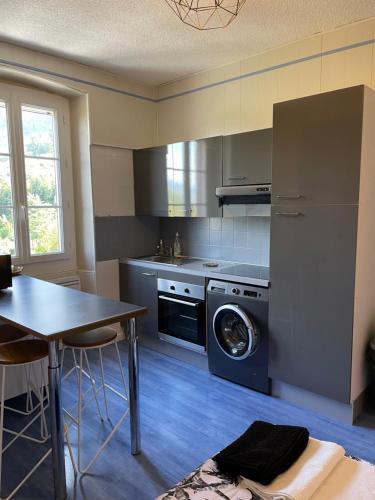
[[184, 269]]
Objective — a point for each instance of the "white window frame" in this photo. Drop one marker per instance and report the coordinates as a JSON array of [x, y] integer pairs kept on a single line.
[[15, 97]]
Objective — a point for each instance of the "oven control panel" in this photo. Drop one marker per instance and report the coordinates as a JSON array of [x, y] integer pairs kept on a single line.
[[181, 289]]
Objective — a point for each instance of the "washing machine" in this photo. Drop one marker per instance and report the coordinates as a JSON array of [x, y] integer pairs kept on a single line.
[[238, 333]]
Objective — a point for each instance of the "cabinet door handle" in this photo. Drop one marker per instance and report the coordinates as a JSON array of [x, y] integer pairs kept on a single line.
[[237, 178], [288, 196], [148, 274], [289, 214]]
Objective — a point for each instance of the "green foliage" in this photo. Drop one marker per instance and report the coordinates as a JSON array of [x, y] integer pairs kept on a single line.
[[43, 230], [37, 148], [43, 226]]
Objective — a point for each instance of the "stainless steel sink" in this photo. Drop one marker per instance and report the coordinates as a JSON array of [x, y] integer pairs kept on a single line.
[[168, 261]]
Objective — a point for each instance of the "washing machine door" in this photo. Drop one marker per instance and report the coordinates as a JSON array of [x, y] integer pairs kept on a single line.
[[235, 331]]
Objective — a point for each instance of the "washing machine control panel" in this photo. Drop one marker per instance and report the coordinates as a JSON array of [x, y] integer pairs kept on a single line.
[[237, 290]]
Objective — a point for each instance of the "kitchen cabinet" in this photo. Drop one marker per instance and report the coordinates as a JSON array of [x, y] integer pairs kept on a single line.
[[197, 171], [311, 297], [179, 179], [247, 158], [112, 181], [317, 144], [322, 242], [153, 181], [138, 285]]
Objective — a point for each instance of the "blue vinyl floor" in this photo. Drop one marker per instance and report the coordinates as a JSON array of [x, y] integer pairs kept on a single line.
[[187, 415]]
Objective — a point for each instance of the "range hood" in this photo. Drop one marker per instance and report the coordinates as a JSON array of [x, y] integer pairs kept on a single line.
[[255, 194]]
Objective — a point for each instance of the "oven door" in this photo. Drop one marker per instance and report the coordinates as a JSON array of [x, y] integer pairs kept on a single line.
[[182, 321]]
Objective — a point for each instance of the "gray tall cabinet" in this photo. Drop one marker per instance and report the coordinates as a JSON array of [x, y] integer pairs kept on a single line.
[[322, 242]]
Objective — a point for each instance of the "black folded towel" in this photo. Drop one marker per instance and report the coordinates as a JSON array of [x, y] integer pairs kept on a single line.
[[263, 452]]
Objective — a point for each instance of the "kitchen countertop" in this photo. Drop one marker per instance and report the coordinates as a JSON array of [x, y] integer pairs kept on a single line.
[[256, 275]]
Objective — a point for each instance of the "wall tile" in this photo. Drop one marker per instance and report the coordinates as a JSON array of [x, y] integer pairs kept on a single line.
[[240, 240], [240, 224], [215, 238], [228, 224], [215, 223], [227, 238]]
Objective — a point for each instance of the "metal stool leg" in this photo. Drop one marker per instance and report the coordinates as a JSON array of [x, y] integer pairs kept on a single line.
[[2, 425], [121, 369], [92, 382], [103, 383], [19, 434], [81, 404]]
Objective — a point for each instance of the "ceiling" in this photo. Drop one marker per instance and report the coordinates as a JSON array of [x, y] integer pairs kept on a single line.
[[144, 40]]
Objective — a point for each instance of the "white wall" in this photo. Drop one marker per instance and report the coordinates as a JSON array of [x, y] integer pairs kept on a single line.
[[329, 62], [105, 110], [117, 117]]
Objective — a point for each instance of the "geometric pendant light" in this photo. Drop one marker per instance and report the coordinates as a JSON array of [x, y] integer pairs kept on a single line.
[[206, 14]]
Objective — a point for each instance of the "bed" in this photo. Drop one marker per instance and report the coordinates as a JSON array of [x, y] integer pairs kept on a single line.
[[323, 472]]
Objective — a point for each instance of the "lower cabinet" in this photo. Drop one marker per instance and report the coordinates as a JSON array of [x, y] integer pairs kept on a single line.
[[138, 285], [312, 267]]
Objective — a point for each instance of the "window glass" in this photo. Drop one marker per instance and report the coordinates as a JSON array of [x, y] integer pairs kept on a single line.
[[5, 182], [44, 230], [4, 142], [7, 238], [7, 234], [38, 132], [42, 180]]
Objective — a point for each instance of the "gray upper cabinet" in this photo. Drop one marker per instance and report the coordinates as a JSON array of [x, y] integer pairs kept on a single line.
[[197, 171], [153, 182], [317, 148], [247, 158], [179, 179]]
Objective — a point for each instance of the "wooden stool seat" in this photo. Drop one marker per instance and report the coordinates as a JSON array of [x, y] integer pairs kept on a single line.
[[22, 352], [9, 333], [93, 338]]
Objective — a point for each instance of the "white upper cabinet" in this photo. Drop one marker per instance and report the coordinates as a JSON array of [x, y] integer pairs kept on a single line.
[[112, 181]]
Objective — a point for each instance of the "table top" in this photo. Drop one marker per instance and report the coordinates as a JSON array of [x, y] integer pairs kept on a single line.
[[51, 311]]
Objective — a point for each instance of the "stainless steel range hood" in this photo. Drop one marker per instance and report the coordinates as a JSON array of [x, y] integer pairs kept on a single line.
[[244, 195]]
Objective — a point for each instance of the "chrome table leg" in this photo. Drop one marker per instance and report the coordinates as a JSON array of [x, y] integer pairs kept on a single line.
[[57, 423], [135, 434]]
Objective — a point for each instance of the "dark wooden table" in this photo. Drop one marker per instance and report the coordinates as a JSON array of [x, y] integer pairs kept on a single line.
[[51, 312]]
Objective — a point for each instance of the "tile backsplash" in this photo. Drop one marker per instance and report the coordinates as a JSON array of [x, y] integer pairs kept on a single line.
[[242, 239]]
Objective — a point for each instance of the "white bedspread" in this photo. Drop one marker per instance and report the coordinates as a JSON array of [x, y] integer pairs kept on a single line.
[[349, 480], [306, 475], [321, 473]]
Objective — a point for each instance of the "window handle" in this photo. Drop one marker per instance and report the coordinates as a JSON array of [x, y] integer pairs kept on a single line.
[[23, 211]]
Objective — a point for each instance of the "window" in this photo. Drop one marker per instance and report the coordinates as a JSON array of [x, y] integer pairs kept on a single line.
[[34, 148]]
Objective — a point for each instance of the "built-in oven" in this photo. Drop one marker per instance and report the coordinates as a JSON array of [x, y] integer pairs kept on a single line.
[[182, 314]]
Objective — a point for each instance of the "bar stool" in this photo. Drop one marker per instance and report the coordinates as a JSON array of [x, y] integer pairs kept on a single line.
[[10, 333], [25, 353], [81, 343]]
